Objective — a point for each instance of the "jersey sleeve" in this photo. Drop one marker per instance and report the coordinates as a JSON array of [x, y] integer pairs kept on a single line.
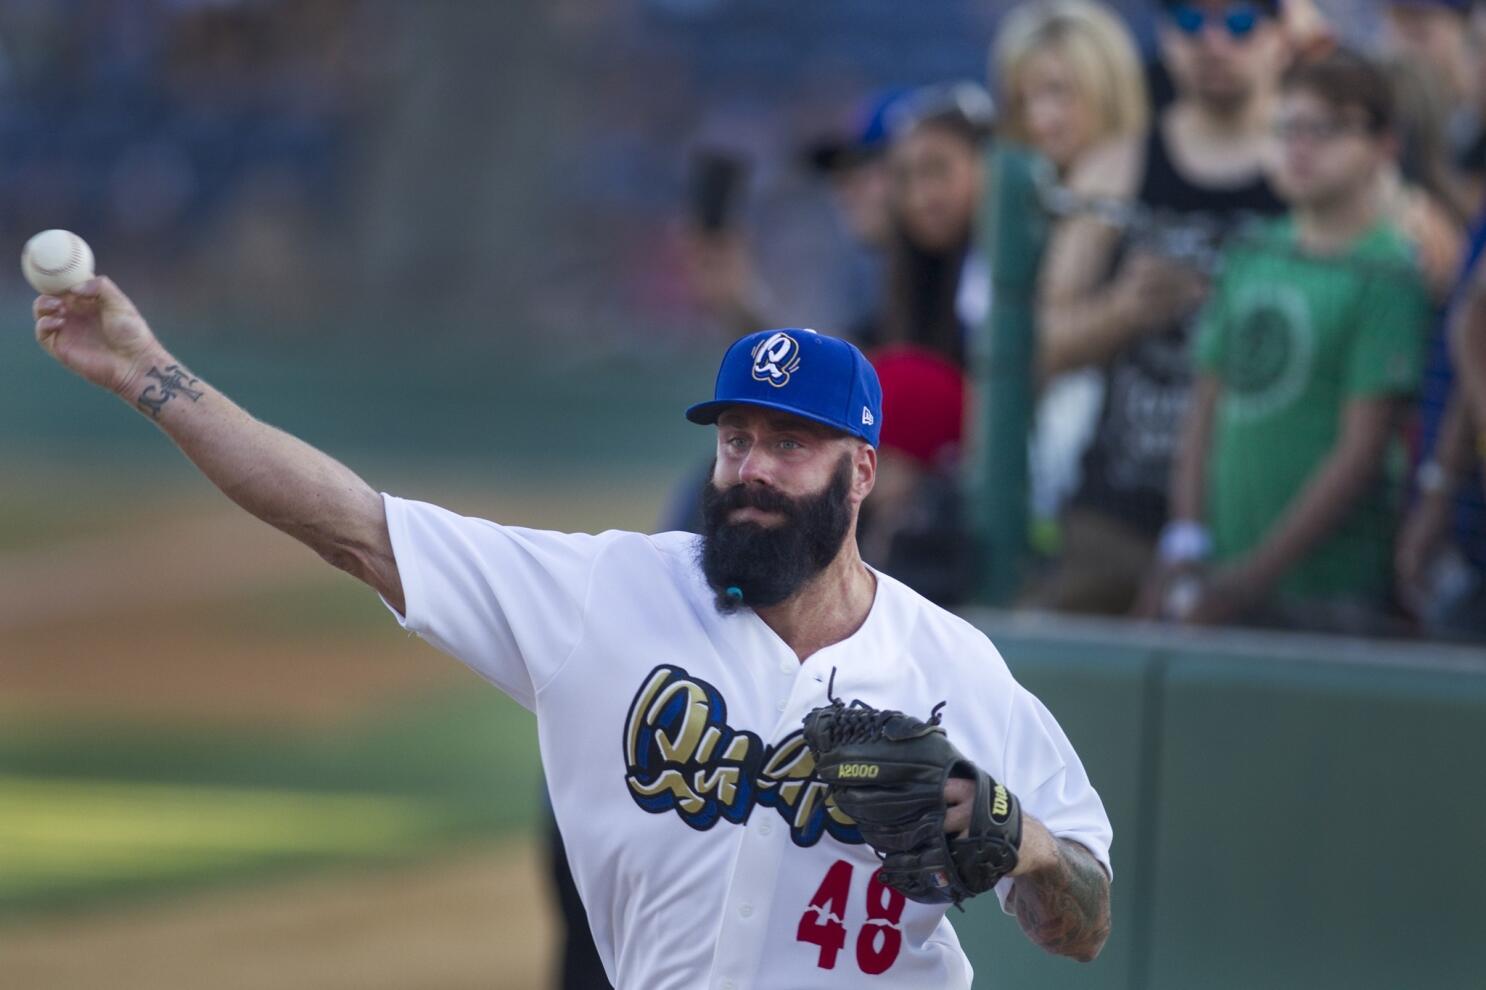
[[1387, 352], [508, 602], [1046, 775]]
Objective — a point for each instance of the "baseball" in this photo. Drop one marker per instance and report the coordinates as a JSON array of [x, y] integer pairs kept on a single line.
[[56, 260]]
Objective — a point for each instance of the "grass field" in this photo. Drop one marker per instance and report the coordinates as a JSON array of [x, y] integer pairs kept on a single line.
[[222, 764]]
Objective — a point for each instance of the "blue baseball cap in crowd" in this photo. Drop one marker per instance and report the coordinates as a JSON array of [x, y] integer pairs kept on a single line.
[[867, 141], [801, 372]]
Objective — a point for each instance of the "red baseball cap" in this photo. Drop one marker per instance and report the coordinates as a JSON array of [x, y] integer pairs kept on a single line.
[[923, 402]]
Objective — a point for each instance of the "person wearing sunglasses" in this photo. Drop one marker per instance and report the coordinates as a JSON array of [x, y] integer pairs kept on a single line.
[[1121, 299]]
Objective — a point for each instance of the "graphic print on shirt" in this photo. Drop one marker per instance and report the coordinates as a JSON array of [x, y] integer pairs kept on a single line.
[[681, 755], [1268, 360]]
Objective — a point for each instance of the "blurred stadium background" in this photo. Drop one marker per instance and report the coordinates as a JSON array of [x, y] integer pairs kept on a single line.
[[441, 241]]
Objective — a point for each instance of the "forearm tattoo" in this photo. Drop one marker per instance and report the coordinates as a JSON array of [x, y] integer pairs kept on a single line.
[[168, 383], [1065, 909]]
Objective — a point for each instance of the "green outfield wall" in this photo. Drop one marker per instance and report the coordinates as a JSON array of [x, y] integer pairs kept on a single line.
[[1289, 811]]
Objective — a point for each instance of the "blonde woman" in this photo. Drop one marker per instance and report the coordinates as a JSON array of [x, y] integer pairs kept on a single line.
[[1070, 81], [1069, 77]]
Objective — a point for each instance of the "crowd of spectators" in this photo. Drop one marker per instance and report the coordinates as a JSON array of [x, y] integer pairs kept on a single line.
[[1258, 366], [160, 128], [1259, 339]]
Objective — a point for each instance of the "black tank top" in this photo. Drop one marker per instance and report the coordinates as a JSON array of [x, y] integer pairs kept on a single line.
[[1127, 466]]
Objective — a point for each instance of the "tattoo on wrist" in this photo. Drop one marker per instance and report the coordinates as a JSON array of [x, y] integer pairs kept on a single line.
[[168, 383], [1066, 909]]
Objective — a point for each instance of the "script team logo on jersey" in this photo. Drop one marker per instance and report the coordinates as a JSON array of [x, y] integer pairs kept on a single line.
[[775, 359], [681, 755]]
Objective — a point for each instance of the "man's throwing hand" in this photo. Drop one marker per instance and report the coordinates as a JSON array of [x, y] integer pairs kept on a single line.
[[95, 332]]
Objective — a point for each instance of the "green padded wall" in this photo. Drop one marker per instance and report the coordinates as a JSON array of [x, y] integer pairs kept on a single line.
[[1320, 825], [1098, 697], [1288, 811]]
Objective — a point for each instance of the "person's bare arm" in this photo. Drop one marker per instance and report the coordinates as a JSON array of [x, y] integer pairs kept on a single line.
[[1071, 304], [720, 269], [1187, 493], [1061, 894], [1468, 352], [1353, 465], [95, 332], [1080, 321], [1427, 524], [1333, 488], [1189, 472]]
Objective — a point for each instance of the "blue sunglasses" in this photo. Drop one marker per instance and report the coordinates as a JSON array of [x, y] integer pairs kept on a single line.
[[1238, 20]]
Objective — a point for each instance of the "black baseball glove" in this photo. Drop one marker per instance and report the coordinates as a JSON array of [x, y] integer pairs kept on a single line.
[[887, 770]]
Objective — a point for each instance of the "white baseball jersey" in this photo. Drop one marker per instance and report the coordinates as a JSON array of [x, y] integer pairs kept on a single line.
[[705, 850]]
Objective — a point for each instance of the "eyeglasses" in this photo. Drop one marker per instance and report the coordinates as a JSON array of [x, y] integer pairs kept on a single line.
[[1314, 130], [1239, 20]]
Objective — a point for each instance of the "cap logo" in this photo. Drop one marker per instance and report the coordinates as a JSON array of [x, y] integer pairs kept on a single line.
[[775, 359], [867, 419]]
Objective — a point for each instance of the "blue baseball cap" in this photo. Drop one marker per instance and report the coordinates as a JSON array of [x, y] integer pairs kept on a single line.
[[801, 372], [865, 142]]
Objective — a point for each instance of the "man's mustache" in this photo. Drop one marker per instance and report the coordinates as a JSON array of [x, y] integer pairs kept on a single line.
[[753, 497]]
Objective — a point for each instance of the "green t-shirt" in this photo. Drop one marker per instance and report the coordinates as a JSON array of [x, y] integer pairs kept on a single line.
[[1293, 337]]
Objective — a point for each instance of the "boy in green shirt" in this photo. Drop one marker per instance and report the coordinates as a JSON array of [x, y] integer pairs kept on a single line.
[[1306, 353]]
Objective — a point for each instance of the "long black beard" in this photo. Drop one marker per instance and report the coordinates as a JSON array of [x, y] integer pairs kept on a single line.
[[747, 564]]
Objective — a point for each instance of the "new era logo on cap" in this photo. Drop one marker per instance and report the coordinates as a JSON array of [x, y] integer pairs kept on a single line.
[[801, 372]]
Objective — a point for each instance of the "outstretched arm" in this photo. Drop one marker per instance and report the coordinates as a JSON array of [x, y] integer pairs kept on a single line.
[[95, 332]]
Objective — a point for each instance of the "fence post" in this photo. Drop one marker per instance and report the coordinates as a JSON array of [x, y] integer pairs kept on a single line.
[[1013, 231]]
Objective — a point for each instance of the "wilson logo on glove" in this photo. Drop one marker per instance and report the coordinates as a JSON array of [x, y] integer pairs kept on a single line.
[[861, 771]]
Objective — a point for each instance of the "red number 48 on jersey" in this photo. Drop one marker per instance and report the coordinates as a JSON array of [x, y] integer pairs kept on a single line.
[[878, 941]]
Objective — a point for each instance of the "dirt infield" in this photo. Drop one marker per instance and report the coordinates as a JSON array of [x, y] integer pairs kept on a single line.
[[480, 919]]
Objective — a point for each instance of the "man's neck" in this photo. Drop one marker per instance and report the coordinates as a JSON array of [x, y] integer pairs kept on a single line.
[[1247, 121], [1218, 148], [829, 608], [1328, 228]]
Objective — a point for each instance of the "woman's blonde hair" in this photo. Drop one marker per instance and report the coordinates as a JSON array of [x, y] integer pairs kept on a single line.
[[1098, 50]]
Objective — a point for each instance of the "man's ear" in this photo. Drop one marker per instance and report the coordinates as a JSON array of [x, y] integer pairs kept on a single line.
[[863, 471]]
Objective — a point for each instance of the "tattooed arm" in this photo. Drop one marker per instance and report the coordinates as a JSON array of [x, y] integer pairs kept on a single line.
[[1061, 894], [96, 332]]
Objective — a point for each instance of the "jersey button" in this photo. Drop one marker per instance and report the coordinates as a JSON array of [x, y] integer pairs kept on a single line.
[[745, 910], [729, 985], [765, 828], [783, 704], [785, 667]]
